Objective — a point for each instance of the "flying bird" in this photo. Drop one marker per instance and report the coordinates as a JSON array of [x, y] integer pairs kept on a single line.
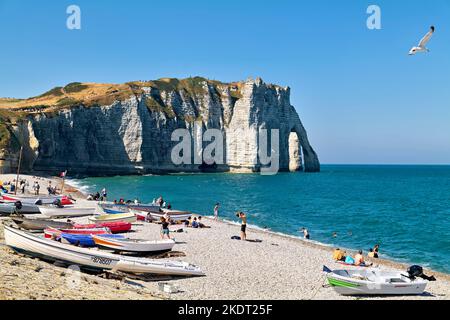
[[422, 44]]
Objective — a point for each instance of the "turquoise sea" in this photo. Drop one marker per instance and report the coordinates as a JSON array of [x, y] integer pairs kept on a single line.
[[406, 209]]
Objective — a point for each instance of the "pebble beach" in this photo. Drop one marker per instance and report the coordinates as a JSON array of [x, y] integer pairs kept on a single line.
[[270, 266]]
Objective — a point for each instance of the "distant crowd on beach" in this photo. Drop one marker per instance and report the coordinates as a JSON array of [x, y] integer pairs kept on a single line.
[[24, 186]]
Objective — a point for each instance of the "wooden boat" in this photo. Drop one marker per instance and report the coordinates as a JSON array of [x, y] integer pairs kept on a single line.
[[114, 227], [39, 224], [7, 208], [123, 217], [66, 211], [130, 245], [53, 232], [50, 250], [37, 199], [374, 282]]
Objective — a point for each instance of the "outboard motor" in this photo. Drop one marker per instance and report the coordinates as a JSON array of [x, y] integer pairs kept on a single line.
[[417, 272], [18, 205]]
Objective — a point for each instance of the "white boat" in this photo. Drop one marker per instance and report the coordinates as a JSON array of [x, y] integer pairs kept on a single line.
[[92, 259], [130, 245], [375, 282], [10, 208], [124, 217], [66, 211]]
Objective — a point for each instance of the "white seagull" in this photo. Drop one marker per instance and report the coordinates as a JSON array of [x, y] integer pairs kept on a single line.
[[422, 44]]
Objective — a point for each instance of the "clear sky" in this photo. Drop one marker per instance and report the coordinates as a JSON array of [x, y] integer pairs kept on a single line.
[[362, 99]]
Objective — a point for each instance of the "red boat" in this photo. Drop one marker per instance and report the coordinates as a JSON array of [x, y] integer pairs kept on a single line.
[[115, 227], [50, 232]]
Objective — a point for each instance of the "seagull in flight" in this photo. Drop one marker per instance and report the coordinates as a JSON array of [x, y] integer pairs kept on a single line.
[[422, 44]]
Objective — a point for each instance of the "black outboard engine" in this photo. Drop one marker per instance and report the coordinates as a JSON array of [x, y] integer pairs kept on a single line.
[[18, 205], [417, 272]]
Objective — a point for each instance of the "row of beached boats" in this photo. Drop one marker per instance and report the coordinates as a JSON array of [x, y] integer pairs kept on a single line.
[[92, 259], [97, 245]]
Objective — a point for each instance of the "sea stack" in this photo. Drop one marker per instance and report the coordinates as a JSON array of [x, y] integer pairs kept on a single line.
[[106, 129]]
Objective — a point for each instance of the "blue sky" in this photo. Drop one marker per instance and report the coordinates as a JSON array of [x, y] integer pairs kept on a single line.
[[361, 97]]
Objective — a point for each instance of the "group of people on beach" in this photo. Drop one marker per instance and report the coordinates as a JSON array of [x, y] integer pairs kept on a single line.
[[341, 256], [98, 196]]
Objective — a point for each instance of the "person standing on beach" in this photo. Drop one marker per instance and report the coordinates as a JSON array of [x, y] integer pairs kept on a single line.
[[216, 212], [305, 233], [243, 218], [165, 228], [104, 195]]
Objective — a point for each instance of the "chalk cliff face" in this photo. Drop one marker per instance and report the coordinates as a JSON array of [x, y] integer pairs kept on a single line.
[[132, 133]]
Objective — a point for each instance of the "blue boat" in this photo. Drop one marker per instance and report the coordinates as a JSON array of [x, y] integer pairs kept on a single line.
[[86, 240], [81, 240]]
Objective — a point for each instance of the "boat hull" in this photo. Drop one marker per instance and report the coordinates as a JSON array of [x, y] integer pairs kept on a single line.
[[115, 227], [389, 284], [66, 212], [10, 208], [126, 245], [39, 224], [114, 218]]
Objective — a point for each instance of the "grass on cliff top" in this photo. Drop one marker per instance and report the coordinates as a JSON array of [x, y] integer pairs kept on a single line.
[[100, 94]]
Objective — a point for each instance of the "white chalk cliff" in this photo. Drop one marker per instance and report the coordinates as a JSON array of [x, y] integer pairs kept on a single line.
[[132, 134]]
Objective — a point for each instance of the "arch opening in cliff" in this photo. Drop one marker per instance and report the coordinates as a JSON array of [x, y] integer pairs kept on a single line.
[[295, 153]]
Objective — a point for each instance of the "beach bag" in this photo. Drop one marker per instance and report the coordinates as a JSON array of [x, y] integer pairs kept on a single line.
[[349, 260]]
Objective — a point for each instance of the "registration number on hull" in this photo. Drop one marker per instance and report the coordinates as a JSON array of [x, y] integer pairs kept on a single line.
[[102, 261]]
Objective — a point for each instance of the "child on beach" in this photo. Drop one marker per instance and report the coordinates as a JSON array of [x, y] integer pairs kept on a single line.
[[165, 228]]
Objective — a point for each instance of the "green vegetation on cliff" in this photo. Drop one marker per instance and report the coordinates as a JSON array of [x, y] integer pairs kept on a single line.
[[7, 119]]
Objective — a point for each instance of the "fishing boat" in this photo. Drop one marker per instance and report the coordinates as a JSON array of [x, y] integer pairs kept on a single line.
[[50, 250], [123, 217], [114, 227], [374, 282], [66, 211], [37, 199], [8, 208], [39, 224], [53, 232], [130, 245]]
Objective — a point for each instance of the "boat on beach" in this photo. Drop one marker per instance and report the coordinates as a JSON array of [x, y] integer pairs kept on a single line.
[[130, 245], [7, 208], [50, 250], [114, 227], [39, 224], [66, 211], [374, 282], [39, 200], [53, 232], [122, 217], [156, 215]]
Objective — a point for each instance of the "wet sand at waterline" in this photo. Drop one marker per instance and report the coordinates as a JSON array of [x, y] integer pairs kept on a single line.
[[278, 267]]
